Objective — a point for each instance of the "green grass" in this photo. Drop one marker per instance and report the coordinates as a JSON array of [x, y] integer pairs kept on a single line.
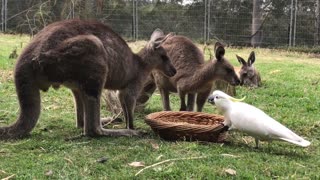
[[290, 94]]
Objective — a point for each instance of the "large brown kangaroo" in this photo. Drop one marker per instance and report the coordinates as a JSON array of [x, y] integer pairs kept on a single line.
[[86, 57], [194, 76]]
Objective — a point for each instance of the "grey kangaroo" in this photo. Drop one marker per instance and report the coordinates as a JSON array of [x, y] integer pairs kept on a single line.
[[248, 74], [85, 56], [194, 75]]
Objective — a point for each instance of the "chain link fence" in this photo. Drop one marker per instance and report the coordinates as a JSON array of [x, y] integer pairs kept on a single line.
[[270, 23]]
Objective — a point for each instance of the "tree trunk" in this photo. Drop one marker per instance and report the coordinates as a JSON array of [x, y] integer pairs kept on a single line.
[[256, 34]]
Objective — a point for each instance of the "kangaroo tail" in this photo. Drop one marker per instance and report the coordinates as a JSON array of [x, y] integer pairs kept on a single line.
[[29, 101]]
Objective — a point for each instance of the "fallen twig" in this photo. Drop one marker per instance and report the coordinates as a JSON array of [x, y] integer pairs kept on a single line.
[[69, 160], [113, 118], [9, 177], [230, 155], [168, 160]]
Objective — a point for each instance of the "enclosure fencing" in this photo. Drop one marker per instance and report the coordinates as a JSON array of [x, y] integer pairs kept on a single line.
[[234, 22]]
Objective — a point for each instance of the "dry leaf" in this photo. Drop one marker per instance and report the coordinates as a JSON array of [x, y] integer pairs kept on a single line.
[[155, 145], [136, 164], [49, 173], [102, 160], [231, 171], [230, 155]]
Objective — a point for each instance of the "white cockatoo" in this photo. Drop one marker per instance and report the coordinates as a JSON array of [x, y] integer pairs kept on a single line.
[[251, 120]]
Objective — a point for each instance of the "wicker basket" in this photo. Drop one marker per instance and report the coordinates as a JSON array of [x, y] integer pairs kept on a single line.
[[189, 126]]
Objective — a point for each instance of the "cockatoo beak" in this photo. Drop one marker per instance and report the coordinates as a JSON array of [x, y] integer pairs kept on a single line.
[[237, 100]]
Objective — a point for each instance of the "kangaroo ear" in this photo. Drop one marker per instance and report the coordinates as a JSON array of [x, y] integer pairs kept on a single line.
[[219, 50], [216, 45], [241, 60], [157, 38], [157, 33], [252, 58]]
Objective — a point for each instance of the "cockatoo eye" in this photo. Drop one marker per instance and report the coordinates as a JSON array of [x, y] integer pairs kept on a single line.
[[217, 97]]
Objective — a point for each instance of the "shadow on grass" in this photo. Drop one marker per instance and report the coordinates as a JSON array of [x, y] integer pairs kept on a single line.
[[291, 152]]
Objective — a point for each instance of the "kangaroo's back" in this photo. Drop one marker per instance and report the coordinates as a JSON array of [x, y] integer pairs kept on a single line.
[[52, 48], [184, 54], [52, 35]]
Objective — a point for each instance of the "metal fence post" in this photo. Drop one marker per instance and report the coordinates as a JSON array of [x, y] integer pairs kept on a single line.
[[317, 23], [208, 21], [290, 26], [137, 29], [205, 22], [4, 15], [295, 23], [133, 20]]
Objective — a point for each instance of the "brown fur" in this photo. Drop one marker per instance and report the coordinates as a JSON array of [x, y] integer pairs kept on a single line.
[[194, 75], [86, 57], [248, 74]]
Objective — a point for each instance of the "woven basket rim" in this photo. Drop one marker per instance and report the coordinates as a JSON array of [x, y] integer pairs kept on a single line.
[[182, 125], [151, 119]]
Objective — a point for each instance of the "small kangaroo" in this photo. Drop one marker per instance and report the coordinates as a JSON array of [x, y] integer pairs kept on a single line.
[[85, 56], [248, 74], [194, 76]]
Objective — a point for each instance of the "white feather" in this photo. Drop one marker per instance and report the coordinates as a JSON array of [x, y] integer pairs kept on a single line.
[[251, 120]]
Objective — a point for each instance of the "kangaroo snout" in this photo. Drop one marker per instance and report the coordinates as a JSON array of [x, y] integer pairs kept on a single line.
[[241, 83], [236, 82], [171, 72]]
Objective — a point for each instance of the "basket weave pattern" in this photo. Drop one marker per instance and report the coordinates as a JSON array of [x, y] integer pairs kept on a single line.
[[190, 126]]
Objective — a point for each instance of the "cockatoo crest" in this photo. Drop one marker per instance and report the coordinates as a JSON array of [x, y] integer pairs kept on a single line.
[[219, 94], [222, 100]]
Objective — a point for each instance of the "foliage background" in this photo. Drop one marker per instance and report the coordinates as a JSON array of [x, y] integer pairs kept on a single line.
[[229, 21]]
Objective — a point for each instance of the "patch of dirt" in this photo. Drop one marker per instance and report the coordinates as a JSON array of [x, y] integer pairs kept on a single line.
[[6, 75]]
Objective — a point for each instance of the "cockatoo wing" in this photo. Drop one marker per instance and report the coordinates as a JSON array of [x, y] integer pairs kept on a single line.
[[255, 122]]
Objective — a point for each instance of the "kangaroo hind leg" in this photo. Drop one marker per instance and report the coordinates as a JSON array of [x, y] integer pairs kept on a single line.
[[165, 99], [201, 99], [79, 106], [190, 101]]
